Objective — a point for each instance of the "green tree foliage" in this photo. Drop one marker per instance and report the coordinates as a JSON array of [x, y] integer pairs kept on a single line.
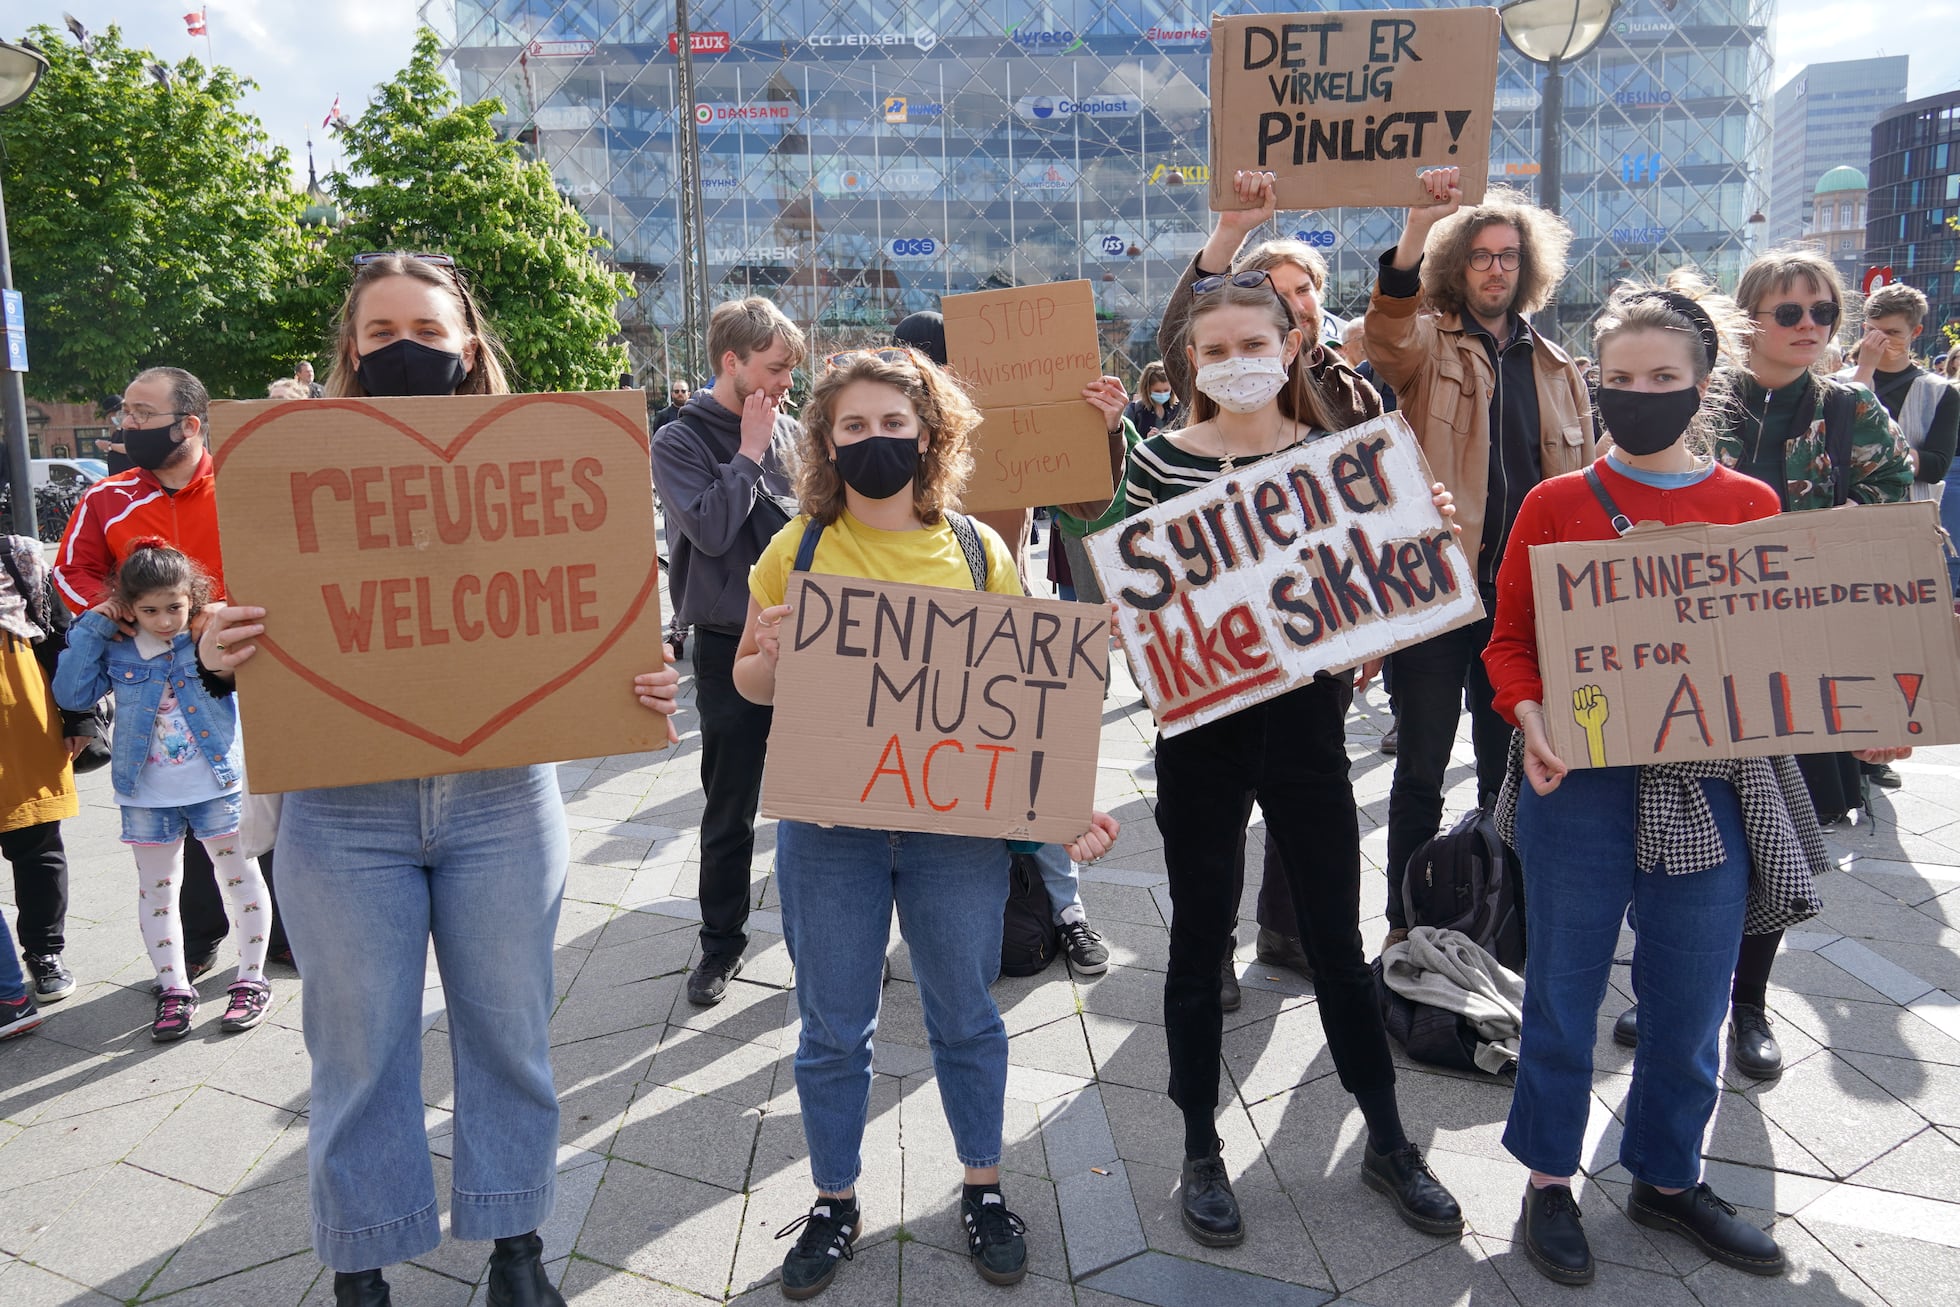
[[426, 173], [152, 222]]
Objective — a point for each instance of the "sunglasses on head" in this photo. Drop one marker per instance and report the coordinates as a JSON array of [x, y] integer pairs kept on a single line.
[[1824, 313], [434, 261], [1245, 280], [890, 354]]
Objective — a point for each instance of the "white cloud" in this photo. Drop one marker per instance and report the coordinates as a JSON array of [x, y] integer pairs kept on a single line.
[[1823, 31]]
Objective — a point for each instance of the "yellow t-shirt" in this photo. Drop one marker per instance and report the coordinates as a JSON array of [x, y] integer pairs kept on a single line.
[[850, 548]]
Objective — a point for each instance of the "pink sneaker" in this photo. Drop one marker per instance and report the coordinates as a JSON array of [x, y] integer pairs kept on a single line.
[[249, 1000]]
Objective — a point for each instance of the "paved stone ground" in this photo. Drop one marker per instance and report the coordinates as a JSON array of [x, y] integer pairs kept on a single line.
[[139, 1173]]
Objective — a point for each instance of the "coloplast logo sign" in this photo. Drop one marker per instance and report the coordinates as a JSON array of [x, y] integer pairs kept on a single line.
[[923, 38], [1043, 40], [913, 249], [1041, 108], [1170, 34]]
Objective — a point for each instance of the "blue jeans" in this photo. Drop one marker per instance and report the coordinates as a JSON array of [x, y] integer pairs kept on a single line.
[[1059, 878], [13, 981], [210, 820], [837, 887], [368, 875], [1577, 847], [1950, 519]]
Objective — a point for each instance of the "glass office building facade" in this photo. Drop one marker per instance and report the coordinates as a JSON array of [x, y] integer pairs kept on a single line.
[[859, 161], [1914, 200]]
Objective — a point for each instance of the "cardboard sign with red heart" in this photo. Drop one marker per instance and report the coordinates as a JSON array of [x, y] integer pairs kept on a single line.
[[451, 584]]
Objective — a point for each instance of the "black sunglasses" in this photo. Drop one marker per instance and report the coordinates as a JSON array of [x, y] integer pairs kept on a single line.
[[890, 354], [1824, 313], [1245, 280]]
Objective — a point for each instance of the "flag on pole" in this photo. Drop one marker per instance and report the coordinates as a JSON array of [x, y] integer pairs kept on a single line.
[[195, 22], [334, 116]]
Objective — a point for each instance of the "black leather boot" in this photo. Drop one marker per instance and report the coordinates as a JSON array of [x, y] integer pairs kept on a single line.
[[1210, 1208], [360, 1289], [1712, 1225], [517, 1277], [1757, 1054], [1626, 1031], [1553, 1238]]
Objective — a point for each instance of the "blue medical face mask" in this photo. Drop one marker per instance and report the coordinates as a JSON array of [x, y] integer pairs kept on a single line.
[[1160, 397]]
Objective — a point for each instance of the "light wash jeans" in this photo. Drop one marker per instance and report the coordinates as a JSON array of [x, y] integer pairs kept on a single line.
[[368, 875], [1577, 847], [1059, 878], [837, 887]]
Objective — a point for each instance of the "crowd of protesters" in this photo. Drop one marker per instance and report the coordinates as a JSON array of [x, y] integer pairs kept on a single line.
[[1693, 406]]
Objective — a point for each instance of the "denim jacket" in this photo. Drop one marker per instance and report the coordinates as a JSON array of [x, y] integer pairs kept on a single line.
[[95, 662]]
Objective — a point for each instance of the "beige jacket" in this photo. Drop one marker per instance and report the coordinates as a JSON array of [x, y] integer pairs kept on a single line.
[[1443, 381]]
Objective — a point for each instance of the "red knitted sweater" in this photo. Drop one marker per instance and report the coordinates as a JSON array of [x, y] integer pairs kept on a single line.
[[1564, 508]]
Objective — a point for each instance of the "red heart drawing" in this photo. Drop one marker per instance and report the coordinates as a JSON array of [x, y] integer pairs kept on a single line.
[[530, 698]]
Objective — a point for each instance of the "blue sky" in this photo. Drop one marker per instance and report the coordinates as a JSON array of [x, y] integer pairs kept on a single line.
[[304, 54]]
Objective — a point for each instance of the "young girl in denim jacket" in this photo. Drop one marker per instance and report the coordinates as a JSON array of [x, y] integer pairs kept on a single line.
[[176, 767]]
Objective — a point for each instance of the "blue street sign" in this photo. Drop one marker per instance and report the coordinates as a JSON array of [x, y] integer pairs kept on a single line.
[[14, 315]]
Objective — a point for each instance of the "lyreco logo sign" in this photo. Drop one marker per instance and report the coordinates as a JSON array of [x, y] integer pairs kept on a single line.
[[1636, 169], [904, 109], [1321, 238], [913, 249], [1171, 174], [1043, 40], [1041, 108], [1159, 34], [922, 39], [721, 115]]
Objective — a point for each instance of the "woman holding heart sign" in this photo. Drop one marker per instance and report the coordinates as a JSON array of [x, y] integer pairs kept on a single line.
[[474, 862]]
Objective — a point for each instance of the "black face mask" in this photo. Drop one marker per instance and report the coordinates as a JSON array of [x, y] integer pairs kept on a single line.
[[151, 447], [1646, 422], [880, 467], [408, 367]]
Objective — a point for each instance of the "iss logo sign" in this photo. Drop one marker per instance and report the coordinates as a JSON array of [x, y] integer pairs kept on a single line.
[[913, 249]]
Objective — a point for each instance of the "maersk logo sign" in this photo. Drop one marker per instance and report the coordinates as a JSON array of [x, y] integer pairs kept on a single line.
[[1042, 108]]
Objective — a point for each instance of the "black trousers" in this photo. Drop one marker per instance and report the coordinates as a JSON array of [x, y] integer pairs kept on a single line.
[[40, 866], [203, 907], [734, 743], [1275, 909], [1432, 681], [1288, 754]]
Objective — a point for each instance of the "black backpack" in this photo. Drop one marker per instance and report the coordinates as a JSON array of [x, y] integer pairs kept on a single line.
[[1464, 879], [1029, 937]]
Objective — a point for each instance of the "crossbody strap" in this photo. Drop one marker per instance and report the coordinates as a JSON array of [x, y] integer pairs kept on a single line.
[[806, 548], [972, 548], [1621, 522]]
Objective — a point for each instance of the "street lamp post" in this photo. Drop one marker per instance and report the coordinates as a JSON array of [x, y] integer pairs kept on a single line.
[[1553, 32], [20, 68]]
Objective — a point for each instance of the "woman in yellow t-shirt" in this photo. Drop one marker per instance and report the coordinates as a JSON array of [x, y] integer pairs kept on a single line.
[[886, 449]]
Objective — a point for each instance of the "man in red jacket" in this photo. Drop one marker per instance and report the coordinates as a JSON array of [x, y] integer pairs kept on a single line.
[[170, 492]]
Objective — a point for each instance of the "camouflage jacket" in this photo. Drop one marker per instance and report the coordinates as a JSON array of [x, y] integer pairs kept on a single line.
[[1881, 460]]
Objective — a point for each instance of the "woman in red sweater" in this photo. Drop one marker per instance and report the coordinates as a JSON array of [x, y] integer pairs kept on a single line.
[[1594, 843]]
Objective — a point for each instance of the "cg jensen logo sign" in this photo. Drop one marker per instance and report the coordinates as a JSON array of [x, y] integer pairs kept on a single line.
[[923, 39], [1042, 108], [1043, 41]]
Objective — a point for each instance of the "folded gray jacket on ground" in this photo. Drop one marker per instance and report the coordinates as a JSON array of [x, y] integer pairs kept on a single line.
[[1446, 969]]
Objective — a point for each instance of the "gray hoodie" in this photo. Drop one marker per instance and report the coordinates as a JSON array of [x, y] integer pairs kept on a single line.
[[721, 509]]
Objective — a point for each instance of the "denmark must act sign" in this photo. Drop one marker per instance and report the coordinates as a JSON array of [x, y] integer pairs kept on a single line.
[[451, 583], [1814, 632], [1321, 557]]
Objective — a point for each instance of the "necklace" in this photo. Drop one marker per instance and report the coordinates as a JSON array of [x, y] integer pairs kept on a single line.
[[1229, 462]]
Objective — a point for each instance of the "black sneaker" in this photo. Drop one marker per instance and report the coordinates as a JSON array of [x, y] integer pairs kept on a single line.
[[52, 983], [993, 1238], [1084, 947], [707, 984], [829, 1228], [1229, 996], [18, 1016], [1712, 1225]]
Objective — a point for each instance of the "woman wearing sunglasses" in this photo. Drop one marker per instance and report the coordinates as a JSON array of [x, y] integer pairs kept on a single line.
[[1777, 428], [473, 863]]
